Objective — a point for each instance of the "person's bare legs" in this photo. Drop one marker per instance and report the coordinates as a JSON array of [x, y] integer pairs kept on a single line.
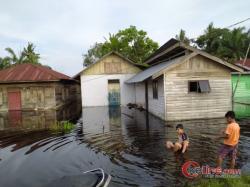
[[219, 161], [177, 146], [232, 163], [169, 145]]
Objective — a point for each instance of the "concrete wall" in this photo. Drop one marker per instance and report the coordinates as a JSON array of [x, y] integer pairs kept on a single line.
[[94, 89], [156, 106], [140, 94], [94, 80]]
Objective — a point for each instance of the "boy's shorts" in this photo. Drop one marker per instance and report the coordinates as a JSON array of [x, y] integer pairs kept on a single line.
[[228, 150]]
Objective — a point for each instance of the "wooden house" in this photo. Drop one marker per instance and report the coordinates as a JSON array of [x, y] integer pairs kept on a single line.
[[184, 82], [35, 87], [103, 83]]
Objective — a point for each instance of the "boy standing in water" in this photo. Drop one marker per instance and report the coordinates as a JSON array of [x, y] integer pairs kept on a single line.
[[231, 138], [182, 143]]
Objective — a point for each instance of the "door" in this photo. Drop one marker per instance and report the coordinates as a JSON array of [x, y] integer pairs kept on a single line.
[[114, 98], [14, 100]]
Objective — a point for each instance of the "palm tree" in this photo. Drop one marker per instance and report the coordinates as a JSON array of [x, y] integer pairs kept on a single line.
[[4, 62], [182, 37], [13, 58], [233, 45], [30, 55], [210, 41]]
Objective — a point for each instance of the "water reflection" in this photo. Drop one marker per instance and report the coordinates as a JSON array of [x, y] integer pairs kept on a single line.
[[24, 128], [128, 144], [242, 110], [14, 120]]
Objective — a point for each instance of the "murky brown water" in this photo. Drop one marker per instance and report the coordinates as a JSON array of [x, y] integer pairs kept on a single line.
[[128, 144]]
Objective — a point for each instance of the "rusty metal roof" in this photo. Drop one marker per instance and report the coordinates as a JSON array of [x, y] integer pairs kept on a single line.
[[245, 66], [30, 73]]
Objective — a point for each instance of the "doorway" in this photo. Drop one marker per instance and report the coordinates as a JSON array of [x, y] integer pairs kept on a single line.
[[14, 100], [114, 95]]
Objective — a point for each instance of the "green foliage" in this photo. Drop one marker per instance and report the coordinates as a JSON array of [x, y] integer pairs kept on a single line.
[[4, 62], [230, 45], [27, 55], [62, 126], [182, 37], [30, 56], [131, 43], [243, 181]]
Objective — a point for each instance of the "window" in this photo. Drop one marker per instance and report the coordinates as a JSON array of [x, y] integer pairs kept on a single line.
[[193, 86], [200, 86], [155, 89]]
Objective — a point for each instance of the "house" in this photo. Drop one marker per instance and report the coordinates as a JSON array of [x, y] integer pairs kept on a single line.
[[241, 92], [241, 96], [184, 83], [103, 83], [245, 65], [35, 87], [241, 83]]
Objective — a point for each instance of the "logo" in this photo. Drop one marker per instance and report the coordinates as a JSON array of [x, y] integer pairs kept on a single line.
[[191, 169]]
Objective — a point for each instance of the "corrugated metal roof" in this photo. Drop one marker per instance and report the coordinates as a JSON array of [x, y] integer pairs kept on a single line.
[[246, 65], [152, 70], [30, 72], [165, 46]]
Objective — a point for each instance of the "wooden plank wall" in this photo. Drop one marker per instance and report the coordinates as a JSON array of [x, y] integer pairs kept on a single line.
[[112, 64], [180, 104]]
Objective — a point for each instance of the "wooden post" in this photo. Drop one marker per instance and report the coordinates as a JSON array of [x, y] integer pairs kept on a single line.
[[146, 94]]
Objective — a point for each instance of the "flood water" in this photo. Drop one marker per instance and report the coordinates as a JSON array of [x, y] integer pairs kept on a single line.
[[128, 144]]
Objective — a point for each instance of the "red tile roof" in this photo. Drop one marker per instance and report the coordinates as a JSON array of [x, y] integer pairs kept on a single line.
[[30, 73], [246, 65]]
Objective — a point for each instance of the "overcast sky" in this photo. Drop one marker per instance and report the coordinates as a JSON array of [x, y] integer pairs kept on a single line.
[[63, 30]]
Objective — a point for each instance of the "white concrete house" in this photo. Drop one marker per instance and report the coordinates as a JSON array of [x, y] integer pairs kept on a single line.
[[103, 83]]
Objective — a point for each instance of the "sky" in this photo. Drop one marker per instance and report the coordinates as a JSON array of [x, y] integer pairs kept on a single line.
[[63, 30]]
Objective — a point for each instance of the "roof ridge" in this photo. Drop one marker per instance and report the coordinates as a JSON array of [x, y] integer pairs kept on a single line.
[[43, 68]]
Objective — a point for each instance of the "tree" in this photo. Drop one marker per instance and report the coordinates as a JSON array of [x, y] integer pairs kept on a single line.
[[130, 42], [182, 37], [13, 58], [94, 53], [30, 55], [233, 45], [230, 45], [4, 62], [27, 55]]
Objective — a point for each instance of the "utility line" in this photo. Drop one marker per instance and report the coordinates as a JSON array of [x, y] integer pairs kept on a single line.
[[227, 27], [232, 25], [105, 75]]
